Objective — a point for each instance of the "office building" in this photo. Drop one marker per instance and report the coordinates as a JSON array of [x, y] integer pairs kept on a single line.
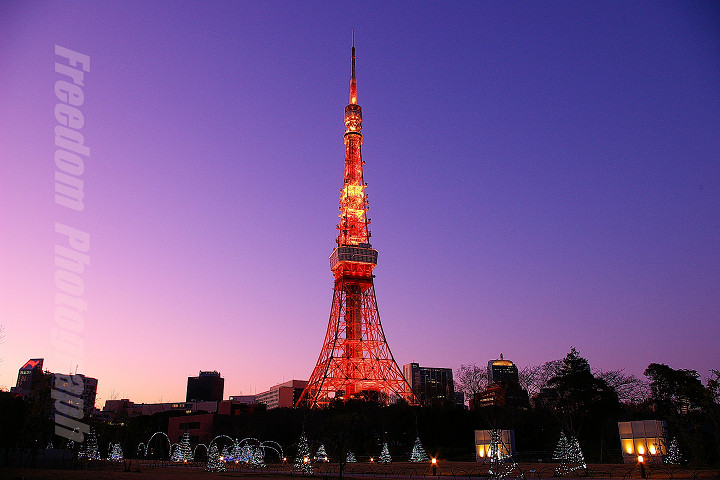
[[503, 389], [89, 393], [207, 386], [502, 370], [431, 385], [29, 378], [199, 427], [282, 395]]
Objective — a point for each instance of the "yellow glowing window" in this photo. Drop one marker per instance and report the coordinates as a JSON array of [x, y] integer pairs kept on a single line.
[[628, 446], [655, 446]]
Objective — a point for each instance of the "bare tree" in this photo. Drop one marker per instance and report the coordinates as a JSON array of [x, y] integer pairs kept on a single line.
[[534, 377], [713, 385], [471, 380], [629, 388]]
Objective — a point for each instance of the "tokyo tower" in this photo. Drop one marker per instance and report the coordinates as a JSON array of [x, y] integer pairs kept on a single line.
[[355, 360]]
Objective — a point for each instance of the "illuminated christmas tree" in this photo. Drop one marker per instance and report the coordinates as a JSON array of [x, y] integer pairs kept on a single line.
[[302, 459], [321, 455], [257, 457], [418, 452], [185, 450], [89, 448], [235, 452], [562, 450], [501, 462], [246, 454], [573, 458], [49, 446], [214, 463], [673, 455], [182, 451], [498, 450], [115, 452], [385, 454], [576, 453], [350, 458]]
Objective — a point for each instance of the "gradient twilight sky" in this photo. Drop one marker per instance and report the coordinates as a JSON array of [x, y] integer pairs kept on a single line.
[[541, 175]]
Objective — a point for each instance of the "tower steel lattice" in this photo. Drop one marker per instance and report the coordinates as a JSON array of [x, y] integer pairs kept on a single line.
[[355, 360]]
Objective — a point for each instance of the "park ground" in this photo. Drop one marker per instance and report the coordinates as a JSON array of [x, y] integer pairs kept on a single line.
[[455, 470]]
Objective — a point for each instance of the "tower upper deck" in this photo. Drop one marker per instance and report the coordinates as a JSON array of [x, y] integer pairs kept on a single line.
[[353, 227]]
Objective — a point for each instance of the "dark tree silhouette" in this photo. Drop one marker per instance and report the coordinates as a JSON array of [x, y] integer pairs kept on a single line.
[[585, 406]]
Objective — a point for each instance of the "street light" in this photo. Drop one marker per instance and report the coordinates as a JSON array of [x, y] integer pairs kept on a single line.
[[641, 463], [434, 465]]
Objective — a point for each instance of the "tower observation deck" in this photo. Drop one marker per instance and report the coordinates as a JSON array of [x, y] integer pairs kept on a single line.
[[355, 360]]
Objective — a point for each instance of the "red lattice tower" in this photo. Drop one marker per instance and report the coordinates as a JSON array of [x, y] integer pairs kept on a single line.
[[355, 360]]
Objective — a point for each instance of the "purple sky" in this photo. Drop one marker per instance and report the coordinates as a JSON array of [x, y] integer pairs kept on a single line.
[[541, 175]]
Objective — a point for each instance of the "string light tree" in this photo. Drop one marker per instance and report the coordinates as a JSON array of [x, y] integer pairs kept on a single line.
[[302, 458], [385, 454], [257, 457], [562, 449], [321, 454], [89, 448], [673, 455], [225, 453], [355, 360], [502, 464], [115, 452], [215, 463], [418, 453], [570, 455], [182, 452]]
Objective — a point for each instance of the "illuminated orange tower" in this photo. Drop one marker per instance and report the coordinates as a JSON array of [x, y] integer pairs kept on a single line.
[[355, 360]]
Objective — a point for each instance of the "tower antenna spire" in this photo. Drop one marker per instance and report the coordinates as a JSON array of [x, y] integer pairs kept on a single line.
[[353, 54], [353, 82]]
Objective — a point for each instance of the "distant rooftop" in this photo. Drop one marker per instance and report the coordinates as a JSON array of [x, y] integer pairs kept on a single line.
[[502, 362], [33, 363]]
